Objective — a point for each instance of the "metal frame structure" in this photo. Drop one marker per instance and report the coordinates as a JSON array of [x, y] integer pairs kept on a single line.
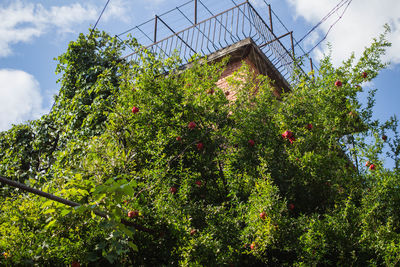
[[219, 31]]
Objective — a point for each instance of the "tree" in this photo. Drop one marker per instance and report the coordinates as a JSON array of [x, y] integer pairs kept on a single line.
[[214, 182]]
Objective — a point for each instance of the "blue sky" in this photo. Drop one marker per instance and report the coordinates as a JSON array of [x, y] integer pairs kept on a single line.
[[32, 33]]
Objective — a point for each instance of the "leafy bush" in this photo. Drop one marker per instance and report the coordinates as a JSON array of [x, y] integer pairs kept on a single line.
[[205, 181]]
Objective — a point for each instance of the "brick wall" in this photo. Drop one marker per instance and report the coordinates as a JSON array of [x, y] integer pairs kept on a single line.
[[231, 68]]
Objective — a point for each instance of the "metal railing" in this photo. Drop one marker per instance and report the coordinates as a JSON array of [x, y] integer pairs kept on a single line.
[[219, 31]]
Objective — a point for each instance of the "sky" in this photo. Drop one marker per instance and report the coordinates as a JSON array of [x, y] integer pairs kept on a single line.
[[33, 33]]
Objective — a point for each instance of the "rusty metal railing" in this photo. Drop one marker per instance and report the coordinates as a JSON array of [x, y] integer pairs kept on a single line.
[[219, 31]]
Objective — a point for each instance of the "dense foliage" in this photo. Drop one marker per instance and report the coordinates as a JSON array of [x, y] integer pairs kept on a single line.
[[207, 181]]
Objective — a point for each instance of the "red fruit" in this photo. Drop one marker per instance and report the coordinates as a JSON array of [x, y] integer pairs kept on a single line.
[[178, 138], [198, 183], [291, 206], [372, 167], [192, 125], [227, 93], [75, 264], [352, 114], [263, 215], [338, 83], [309, 126], [173, 190], [210, 92], [384, 138], [292, 139], [364, 75], [135, 110], [287, 134], [367, 164], [200, 146], [253, 246], [251, 142], [133, 213], [193, 232]]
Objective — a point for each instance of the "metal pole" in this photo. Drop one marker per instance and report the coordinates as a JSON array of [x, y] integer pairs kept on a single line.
[[66, 202], [270, 17], [163, 22], [276, 39], [291, 41], [195, 11], [312, 67], [155, 29]]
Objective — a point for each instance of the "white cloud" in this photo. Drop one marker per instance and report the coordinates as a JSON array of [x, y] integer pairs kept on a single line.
[[65, 17], [312, 39], [154, 2], [22, 22], [257, 3], [20, 98], [120, 9], [362, 21]]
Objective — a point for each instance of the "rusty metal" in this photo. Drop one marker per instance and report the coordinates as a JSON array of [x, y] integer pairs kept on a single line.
[[312, 68], [183, 14], [270, 18], [195, 11], [311, 65], [267, 43], [155, 28], [175, 33], [220, 30], [276, 17], [291, 42]]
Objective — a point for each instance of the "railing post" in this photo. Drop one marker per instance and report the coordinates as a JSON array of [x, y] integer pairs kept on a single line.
[[270, 17], [291, 41], [195, 11], [312, 68], [155, 29]]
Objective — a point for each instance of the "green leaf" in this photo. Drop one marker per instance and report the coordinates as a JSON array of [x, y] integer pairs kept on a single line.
[[65, 212], [133, 246], [49, 211], [47, 203], [50, 224]]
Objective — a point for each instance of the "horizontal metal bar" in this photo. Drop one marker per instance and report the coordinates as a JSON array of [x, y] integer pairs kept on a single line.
[[65, 201], [193, 26], [264, 37], [175, 33], [267, 43], [165, 13]]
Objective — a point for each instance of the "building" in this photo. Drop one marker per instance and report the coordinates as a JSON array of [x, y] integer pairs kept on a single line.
[[239, 32]]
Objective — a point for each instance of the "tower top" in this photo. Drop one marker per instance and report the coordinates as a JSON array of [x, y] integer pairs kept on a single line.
[[209, 35]]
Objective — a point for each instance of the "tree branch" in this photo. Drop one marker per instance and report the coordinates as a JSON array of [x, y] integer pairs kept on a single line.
[[67, 202]]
